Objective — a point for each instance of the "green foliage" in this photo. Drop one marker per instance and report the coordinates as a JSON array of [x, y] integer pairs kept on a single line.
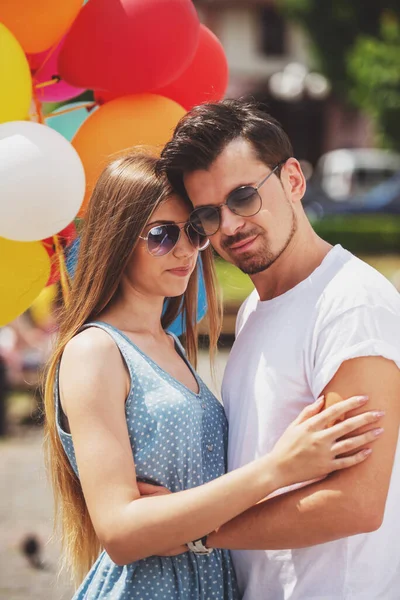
[[362, 234], [333, 27], [374, 66], [357, 46]]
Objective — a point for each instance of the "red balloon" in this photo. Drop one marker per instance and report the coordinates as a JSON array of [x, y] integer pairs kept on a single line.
[[66, 237], [129, 46], [205, 79]]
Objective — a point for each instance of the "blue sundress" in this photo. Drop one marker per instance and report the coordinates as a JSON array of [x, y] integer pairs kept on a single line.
[[179, 441]]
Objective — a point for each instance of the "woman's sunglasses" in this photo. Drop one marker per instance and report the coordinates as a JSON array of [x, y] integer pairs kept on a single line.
[[162, 239], [245, 201]]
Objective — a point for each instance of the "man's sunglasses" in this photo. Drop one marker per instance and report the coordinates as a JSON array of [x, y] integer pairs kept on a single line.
[[162, 239], [245, 201]]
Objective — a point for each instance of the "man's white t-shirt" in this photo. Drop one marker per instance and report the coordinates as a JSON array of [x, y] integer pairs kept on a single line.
[[286, 351]]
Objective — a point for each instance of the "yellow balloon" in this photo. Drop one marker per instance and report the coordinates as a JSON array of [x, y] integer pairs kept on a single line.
[[15, 79], [24, 271], [41, 308]]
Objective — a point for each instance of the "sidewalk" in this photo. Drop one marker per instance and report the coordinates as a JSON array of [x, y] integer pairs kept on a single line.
[[26, 508]]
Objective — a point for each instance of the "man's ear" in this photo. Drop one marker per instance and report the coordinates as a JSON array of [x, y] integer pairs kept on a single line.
[[293, 180]]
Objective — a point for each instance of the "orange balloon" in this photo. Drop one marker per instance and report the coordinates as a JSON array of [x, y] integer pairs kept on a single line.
[[140, 119], [38, 24]]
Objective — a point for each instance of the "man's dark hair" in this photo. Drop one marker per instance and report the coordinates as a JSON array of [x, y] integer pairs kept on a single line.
[[204, 131]]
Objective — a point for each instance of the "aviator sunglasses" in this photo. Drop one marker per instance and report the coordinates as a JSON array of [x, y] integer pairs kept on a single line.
[[244, 201], [162, 239]]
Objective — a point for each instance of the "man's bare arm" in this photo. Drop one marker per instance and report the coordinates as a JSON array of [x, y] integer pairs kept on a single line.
[[347, 502]]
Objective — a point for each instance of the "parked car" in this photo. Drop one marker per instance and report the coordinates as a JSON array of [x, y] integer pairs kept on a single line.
[[345, 173]]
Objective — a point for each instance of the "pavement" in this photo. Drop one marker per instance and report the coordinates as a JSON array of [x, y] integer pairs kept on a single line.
[[26, 509]]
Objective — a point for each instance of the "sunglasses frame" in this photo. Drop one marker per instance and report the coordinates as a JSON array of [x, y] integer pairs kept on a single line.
[[217, 207], [185, 225]]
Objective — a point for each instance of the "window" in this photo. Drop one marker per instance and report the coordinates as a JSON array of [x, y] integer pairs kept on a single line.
[[272, 31]]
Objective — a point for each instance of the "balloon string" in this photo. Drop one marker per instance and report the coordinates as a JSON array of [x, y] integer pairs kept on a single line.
[[64, 277], [50, 53], [87, 105], [52, 81], [38, 107]]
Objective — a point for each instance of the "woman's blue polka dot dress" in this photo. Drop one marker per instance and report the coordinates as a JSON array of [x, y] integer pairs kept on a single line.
[[179, 440]]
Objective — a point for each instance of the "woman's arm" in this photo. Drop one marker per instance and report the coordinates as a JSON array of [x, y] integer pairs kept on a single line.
[[94, 385]]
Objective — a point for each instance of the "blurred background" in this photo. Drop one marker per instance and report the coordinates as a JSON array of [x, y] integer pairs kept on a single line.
[[330, 73]]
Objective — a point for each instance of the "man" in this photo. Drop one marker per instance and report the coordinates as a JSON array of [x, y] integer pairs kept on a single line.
[[319, 320]]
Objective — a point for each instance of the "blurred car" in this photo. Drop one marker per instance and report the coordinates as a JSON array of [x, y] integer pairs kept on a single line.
[[352, 172], [381, 199]]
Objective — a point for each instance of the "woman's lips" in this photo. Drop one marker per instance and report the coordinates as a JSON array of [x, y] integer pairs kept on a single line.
[[181, 271]]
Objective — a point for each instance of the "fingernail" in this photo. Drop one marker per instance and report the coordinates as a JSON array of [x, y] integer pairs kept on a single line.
[[379, 413], [366, 452], [362, 399], [319, 400], [378, 431]]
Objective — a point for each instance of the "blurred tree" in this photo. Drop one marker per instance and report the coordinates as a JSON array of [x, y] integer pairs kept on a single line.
[[374, 65], [357, 46]]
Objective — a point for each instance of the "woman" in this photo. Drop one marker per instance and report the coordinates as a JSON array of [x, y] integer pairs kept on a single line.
[[124, 405]]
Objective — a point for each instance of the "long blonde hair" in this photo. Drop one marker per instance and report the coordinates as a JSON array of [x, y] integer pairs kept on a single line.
[[127, 193]]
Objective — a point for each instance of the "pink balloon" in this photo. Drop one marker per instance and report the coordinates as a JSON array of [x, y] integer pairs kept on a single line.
[[57, 92]]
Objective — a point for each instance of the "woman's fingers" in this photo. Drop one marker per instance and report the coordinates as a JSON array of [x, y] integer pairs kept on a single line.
[[149, 489], [358, 441], [335, 412], [309, 411], [350, 461], [353, 423]]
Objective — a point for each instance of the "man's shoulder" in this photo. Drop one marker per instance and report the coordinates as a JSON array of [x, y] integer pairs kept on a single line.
[[355, 283]]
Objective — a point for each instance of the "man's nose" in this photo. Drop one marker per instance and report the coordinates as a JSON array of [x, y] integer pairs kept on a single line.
[[230, 222]]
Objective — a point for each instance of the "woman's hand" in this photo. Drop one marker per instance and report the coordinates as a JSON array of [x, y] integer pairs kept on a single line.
[[311, 448]]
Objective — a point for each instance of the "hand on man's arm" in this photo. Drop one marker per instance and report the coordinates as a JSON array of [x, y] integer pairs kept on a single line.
[[347, 502]]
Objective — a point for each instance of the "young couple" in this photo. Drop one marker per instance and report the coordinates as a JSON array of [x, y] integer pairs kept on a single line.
[[152, 489]]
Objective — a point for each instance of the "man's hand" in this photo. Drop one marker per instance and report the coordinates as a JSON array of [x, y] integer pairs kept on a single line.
[[148, 489]]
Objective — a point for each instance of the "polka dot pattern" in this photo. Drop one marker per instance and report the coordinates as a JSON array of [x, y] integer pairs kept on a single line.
[[179, 440]]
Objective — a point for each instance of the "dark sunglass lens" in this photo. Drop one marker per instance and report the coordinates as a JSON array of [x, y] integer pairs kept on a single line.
[[197, 239], [244, 201], [205, 220], [162, 239]]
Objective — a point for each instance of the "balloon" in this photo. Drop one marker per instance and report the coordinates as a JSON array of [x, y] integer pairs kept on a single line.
[[42, 181], [41, 309], [178, 326], [129, 46], [15, 79], [38, 24], [143, 119], [205, 79], [68, 124], [66, 237], [24, 270], [57, 92]]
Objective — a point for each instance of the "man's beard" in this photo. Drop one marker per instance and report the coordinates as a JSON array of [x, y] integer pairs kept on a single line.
[[252, 263]]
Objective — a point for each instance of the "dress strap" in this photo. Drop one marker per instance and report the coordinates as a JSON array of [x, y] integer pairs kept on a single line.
[[119, 340]]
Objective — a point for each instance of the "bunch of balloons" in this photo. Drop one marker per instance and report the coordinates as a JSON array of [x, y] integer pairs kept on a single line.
[[146, 62]]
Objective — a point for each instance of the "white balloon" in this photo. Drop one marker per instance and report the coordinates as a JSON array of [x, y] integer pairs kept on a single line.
[[42, 181]]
